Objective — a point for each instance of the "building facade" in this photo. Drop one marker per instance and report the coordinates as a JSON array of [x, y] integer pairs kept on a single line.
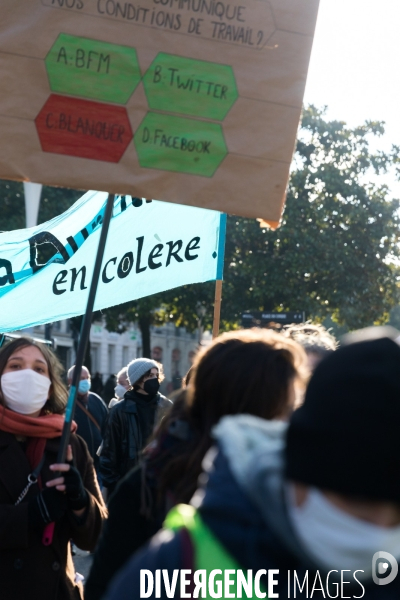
[[173, 346]]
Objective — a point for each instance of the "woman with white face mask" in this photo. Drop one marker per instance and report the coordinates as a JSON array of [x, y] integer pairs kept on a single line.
[[43, 505]]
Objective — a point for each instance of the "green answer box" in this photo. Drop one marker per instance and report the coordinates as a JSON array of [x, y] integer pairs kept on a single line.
[[179, 144], [191, 87], [92, 69]]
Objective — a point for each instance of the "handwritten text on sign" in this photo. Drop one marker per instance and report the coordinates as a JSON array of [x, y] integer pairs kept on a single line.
[[223, 78], [151, 247], [218, 20]]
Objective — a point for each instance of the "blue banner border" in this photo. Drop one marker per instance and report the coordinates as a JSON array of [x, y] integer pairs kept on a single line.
[[221, 246]]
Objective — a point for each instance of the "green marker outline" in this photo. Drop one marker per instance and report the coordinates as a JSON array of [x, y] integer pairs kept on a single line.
[[81, 82], [169, 98], [162, 116]]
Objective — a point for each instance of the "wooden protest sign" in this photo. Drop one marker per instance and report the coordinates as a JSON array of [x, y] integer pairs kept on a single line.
[[188, 101]]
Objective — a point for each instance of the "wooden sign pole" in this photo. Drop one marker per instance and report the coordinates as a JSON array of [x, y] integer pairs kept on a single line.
[[217, 307]]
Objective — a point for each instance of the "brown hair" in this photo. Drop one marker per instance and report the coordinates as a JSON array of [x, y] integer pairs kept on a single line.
[[186, 379], [248, 371], [58, 393], [165, 458]]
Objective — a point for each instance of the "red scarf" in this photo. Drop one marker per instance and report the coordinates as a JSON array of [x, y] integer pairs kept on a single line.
[[36, 429]]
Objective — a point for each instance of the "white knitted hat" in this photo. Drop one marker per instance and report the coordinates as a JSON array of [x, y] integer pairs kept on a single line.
[[138, 367]]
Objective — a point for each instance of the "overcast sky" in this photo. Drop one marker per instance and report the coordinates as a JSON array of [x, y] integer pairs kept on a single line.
[[355, 64]]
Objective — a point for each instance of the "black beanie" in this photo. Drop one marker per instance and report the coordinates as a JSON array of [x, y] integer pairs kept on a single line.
[[346, 436]]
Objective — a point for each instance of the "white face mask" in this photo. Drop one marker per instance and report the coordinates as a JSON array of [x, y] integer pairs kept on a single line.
[[120, 391], [25, 391], [336, 540]]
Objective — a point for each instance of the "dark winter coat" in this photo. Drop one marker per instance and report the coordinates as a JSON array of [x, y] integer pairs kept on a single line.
[[109, 386], [244, 507], [87, 429], [123, 440], [28, 569], [136, 512]]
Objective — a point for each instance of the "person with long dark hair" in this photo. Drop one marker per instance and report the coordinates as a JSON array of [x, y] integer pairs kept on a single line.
[[252, 372], [43, 505], [305, 509]]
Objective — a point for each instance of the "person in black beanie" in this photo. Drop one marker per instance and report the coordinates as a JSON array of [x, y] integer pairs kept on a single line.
[[132, 420], [317, 500], [352, 403]]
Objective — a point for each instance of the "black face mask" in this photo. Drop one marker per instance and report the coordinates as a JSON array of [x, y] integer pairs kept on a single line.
[[151, 386]]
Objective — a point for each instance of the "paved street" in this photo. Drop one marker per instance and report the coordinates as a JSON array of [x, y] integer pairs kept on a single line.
[[83, 562]]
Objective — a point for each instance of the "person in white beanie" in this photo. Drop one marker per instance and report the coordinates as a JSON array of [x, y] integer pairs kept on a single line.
[[132, 420], [121, 387]]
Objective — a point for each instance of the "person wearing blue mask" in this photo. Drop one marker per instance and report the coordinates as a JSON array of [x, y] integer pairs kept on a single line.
[[91, 415]]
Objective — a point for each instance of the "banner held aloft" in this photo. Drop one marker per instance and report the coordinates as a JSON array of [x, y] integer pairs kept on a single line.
[[151, 247]]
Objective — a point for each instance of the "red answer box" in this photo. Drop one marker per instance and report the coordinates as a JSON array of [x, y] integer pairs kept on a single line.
[[83, 128]]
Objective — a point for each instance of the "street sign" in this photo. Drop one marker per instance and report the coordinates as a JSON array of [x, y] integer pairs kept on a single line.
[[189, 101], [264, 319]]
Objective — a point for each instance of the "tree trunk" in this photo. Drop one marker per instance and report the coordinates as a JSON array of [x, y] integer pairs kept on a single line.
[[76, 325], [144, 325]]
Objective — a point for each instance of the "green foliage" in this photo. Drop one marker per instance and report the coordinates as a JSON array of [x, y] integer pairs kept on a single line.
[[145, 311], [394, 319], [12, 205], [335, 251], [54, 201], [334, 254]]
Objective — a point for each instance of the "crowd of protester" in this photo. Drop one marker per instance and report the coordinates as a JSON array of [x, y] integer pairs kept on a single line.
[[279, 454]]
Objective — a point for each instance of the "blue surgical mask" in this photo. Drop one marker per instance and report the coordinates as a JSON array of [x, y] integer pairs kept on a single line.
[[83, 387]]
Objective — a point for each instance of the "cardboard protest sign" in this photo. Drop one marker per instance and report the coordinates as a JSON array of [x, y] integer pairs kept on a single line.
[[45, 271], [189, 101]]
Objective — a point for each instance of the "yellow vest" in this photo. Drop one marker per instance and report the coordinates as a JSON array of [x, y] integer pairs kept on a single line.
[[209, 553]]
